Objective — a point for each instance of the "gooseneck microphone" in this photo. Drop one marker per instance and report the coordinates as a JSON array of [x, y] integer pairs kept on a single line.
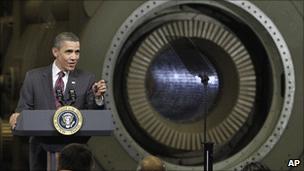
[[72, 96], [59, 96]]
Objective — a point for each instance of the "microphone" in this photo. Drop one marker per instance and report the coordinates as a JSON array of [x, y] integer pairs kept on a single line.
[[60, 97], [72, 96], [72, 93], [204, 78]]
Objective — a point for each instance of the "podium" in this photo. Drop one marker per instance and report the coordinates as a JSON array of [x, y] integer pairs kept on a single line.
[[40, 123]]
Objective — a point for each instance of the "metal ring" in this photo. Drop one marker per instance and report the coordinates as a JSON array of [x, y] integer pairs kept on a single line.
[[149, 10]]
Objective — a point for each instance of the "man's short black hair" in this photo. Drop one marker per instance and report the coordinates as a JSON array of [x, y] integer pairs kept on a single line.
[[75, 157], [64, 36]]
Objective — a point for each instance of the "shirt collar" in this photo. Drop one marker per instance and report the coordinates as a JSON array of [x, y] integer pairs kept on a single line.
[[56, 70]]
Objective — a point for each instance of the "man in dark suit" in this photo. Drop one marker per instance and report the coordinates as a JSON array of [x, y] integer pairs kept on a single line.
[[38, 91]]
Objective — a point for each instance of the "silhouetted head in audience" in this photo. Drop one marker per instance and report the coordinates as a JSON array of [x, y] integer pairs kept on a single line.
[[255, 166], [151, 163], [75, 157]]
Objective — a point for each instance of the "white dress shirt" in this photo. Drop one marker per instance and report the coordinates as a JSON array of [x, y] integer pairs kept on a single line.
[[55, 75]]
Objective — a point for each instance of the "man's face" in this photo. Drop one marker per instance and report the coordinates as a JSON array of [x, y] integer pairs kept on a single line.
[[67, 55]]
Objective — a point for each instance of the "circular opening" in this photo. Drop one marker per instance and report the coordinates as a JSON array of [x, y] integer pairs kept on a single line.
[[175, 81]]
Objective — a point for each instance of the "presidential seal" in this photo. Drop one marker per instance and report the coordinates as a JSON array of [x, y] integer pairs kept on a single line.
[[67, 120]]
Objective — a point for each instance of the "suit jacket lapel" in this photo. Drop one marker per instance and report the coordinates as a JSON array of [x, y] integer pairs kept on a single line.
[[48, 85]]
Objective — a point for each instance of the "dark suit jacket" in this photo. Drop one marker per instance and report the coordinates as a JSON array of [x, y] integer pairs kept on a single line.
[[37, 90], [37, 94]]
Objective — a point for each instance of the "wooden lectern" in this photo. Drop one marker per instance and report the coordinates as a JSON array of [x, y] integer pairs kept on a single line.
[[40, 123]]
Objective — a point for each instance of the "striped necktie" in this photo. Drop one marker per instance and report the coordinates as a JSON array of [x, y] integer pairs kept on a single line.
[[59, 85]]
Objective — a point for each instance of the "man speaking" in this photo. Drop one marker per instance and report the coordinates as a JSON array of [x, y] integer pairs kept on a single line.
[[40, 91]]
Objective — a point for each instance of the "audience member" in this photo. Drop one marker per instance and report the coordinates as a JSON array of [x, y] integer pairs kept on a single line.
[[151, 163], [75, 157]]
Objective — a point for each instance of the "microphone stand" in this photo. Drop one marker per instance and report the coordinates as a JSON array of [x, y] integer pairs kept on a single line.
[[208, 146], [192, 66]]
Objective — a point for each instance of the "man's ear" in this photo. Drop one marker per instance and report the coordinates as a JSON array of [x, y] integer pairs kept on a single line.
[[55, 52]]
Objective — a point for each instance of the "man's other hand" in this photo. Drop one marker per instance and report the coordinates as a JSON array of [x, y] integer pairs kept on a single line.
[[13, 120], [99, 88]]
